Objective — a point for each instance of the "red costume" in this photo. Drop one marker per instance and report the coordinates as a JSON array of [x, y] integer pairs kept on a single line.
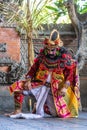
[[64, 74]]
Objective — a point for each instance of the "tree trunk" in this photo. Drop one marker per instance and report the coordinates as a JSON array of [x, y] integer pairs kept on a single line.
[[74, 19], [30, 50], [29, 36], [80, 26]]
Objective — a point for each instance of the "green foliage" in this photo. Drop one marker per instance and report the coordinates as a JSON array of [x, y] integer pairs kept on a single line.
[[59, 10], [82, 9], [40, 12]]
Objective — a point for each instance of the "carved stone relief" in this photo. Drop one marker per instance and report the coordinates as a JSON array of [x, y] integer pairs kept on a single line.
[[3, 47], [15, 73]]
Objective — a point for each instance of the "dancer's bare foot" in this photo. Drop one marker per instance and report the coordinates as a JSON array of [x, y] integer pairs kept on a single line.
[[12, 113]]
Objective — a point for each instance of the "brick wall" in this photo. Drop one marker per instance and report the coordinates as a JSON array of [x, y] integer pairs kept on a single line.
[[12, 42]]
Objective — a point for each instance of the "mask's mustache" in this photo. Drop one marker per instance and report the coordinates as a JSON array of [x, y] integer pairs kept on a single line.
[[51, 55]]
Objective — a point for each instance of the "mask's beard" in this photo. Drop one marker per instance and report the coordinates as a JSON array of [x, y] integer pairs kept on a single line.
[[51, 61]]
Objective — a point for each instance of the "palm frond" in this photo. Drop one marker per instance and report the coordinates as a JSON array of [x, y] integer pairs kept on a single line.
[[24, 16]]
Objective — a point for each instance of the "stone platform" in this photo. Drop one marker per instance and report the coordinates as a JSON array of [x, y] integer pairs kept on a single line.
[[47, 123]]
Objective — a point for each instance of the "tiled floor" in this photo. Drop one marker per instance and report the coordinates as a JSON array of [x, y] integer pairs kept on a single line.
[[79, 123]]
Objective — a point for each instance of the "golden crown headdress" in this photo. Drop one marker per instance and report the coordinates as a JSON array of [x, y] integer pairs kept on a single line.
[[54, 40]]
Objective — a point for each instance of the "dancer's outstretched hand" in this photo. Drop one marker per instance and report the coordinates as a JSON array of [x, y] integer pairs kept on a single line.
[[63, 92], [27, 85]]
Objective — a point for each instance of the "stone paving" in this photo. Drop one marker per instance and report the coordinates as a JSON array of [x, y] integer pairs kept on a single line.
[[47, 123]]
